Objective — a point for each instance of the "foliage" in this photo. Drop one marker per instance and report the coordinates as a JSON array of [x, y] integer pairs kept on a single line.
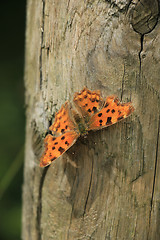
[[12, 117]]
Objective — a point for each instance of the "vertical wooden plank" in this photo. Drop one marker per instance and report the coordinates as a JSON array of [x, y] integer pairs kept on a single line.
[[113, 193]]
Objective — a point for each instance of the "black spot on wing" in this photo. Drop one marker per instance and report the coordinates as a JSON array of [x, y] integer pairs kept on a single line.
[[62, 138], [107, 110], [113, 111], [67, 143], [120, 118], [119, 112], [61, 150], [108, 120], [94, 109], [100, 114], [85, 105]]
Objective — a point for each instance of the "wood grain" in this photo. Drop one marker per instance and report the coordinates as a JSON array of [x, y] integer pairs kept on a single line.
[[107, 186]]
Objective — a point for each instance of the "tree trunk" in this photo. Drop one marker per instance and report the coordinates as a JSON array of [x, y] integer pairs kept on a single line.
[[114, 192]]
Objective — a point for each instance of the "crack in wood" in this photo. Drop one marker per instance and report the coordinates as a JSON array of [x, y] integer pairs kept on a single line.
[[85, 201], [71, 211], [124, 71], [39, 204], [89, 189], [154, 177], [42, 35], [141, 49], [141, 171], [136, 178]]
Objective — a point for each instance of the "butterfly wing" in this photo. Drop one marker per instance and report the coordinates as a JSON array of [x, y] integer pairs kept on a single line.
[[88, 102], [63, 121], [65, 133], [56, 146], [112, 112]]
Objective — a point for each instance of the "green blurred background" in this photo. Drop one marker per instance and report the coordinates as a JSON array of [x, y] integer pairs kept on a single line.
[[12, 120]]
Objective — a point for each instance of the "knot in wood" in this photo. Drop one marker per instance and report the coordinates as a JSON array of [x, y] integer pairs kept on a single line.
[[144, 15]]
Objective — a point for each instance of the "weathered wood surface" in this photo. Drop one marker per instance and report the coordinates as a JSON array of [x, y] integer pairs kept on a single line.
[[114, 193]]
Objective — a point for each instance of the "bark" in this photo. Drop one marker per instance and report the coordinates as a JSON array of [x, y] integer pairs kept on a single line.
[[114, 192]]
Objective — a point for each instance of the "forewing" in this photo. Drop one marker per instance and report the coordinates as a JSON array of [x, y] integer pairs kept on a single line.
[[112, 112], [63, 121], [88, 102], [56, 146]]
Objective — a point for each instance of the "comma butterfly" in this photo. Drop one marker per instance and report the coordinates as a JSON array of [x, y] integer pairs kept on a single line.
[[91, 112]]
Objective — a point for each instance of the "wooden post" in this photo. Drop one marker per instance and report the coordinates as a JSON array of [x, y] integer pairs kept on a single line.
[[114, 192]]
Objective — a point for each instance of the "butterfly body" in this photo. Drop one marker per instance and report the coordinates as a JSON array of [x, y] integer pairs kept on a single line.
[[92, 113], [82, 129]]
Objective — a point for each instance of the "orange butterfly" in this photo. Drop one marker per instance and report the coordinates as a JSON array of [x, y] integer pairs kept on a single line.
[[91, 113]]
